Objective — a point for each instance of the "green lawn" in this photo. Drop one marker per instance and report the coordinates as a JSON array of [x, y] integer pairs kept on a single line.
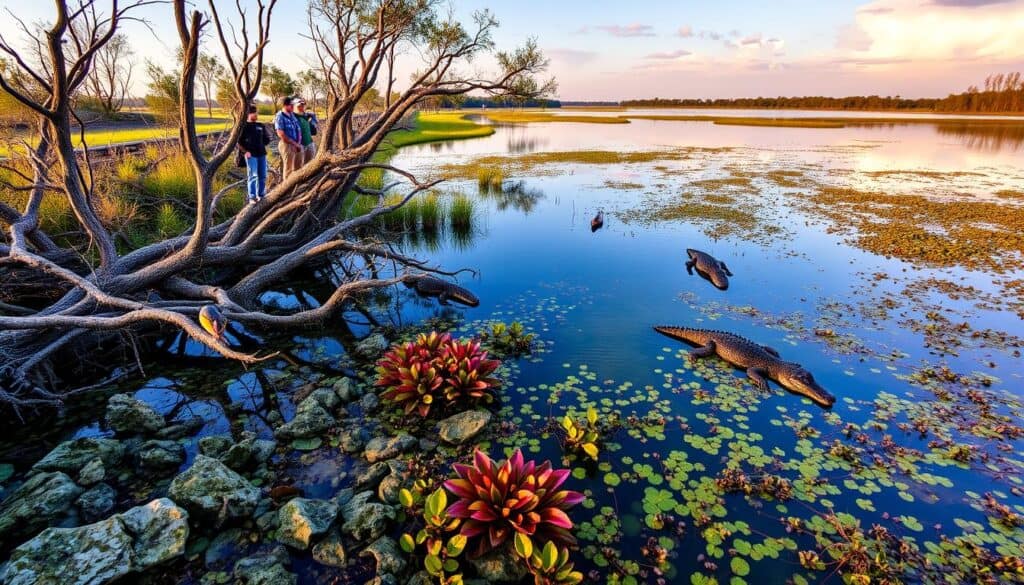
[[108, 137]]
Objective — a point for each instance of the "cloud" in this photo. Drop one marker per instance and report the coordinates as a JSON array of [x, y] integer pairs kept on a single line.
[[627, 30], [570, 56], [751, 40], [685, 31], [968, 3], [710, 34], [669, 54]]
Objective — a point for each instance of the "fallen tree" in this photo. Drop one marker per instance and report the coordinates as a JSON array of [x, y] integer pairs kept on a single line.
[[106, 292]]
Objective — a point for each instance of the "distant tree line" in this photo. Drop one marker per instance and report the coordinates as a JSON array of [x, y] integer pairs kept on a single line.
[[1002, 93], [490, 102]]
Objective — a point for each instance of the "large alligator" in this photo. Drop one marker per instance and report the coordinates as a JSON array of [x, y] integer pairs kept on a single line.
[[429, 286], [709, 267], [760, 361]]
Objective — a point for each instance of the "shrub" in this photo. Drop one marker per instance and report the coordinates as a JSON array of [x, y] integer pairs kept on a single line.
[[498, 500], [435, 366]]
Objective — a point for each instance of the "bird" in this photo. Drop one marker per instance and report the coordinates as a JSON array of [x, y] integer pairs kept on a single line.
[[597, 222], [213, 321]]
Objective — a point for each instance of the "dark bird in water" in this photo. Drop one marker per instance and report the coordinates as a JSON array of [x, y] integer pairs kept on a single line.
[[598, 222], [213, 321], [709, 268]]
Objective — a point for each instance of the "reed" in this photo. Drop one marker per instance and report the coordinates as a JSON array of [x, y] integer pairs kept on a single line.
[[461, 211]]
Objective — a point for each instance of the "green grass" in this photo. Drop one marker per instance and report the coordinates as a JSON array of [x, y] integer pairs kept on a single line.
[[173, 177], [110, 137], [461, 211], [438, 126]]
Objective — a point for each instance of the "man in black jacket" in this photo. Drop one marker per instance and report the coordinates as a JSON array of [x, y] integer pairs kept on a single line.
[[252, 146]]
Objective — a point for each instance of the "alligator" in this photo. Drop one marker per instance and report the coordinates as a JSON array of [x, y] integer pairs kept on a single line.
[[709, 267], [760, 361], [429, 286], [598, 221]]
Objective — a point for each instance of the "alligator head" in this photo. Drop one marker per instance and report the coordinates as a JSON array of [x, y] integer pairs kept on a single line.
[[799, 381]]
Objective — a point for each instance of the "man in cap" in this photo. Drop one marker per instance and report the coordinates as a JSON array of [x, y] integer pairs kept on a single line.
[[309, 125], [289, 134]]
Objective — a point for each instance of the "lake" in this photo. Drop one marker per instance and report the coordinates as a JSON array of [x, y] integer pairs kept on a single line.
[[915, 473]]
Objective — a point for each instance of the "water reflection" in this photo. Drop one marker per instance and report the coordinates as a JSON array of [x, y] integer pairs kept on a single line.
[[989, 138], [515, 195]]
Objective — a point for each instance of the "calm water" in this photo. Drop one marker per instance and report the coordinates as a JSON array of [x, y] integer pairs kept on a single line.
[[593, 297]]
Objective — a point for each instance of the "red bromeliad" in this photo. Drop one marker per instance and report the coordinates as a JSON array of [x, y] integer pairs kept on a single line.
[[418, 373], [499, 500]]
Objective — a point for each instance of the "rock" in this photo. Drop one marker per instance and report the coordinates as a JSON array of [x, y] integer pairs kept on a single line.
[[36, 504], [370, 477], [389, 558], [380, 448], [421, 578], [369, 402], [71, 456], [161, 454], [95, 553], [103, 551], [426, 445], [215, 446], [130, 416], [267, 521], [352, 440], [248, 453], [330, 551], [265, 569], [209, 485], [301, 519], [389, 487], [372, 346], [159, 531], [326, 398], [499, 566], [92, 473], [97, 502], [345, 390], [459, 428], [223, 547], [310, 420], [182, 429], [366, 520], [385, 579]]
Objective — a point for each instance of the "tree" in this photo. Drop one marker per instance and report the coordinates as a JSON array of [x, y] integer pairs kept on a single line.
[[277, 83], [313, 87], [163, 99], [208, 72], [104, 292], [111, 75]]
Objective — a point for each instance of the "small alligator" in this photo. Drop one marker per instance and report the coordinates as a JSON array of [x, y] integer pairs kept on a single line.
[[598, 222], [709, 267], [760, 361], [428, 286]]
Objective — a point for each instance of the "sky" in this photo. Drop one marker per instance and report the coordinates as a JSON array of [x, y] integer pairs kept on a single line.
[[601, 50]]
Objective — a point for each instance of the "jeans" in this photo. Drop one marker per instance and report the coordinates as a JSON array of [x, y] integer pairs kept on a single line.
[[257, 166]]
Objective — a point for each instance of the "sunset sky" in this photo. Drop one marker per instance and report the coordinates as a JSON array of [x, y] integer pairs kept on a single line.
[[620, 50]]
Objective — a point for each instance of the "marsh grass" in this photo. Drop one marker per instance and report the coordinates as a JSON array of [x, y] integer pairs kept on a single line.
[[169, 221], [533, 163], [489, 178], [461, 211], [173, 178], [430, 213]]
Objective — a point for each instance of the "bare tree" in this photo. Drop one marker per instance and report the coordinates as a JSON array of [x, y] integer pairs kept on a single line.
[[208, 71], [232, 263], [111, 74]]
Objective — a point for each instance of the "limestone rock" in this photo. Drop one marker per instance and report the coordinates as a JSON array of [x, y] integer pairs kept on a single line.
[[499, 566], [209, 485], [129, 415], [215, 446], [353, 439], [71, 456], [97, 502], [380, 448], [310, 420], [389, 558], [95, 553], [368, 478], [159, 530], [181, 429], [461, 427], [372, 346], [265, 569], [158, 454], [248, 453], [366, 520], [302, 519], [92, 473], [36, 504], [330, 551]]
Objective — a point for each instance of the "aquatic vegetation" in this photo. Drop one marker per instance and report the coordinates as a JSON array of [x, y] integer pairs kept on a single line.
[[515, 496], [509, 340], [461, 211], [582, 437], [489, 178], [442, 544], [549, 565], [417, 374]]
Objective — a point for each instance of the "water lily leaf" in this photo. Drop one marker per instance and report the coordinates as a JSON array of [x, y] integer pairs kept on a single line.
[[307, 444]]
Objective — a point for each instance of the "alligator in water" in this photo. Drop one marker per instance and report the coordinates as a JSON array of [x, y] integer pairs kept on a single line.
[[709, 267], [760, 361], [598, 222], [428, 286]]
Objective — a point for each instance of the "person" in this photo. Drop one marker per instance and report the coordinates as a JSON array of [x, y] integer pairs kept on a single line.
[[289, 135], [309, 125], [252, 148]]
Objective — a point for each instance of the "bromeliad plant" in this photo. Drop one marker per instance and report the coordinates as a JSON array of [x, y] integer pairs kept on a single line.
[[435, 366], [582, 437], [549, 565], [499, 500]]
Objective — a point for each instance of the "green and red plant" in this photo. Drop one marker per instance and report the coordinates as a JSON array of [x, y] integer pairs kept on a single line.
[[434, 366], [497, 500]]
